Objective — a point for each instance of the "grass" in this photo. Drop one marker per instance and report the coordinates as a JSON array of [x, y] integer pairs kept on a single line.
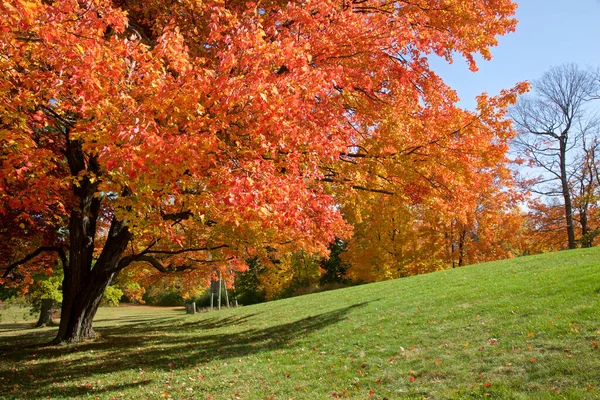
[[516, 329]]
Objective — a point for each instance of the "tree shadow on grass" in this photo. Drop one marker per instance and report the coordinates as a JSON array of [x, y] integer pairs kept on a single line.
[[215, 322], [9, 343], [17, 326], [153, 345], [16, 391]]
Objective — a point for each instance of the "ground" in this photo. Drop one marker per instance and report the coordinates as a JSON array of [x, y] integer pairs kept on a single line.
[[517, 329]]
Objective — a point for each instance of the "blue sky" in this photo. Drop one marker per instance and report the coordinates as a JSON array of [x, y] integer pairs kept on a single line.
[[549, 33]]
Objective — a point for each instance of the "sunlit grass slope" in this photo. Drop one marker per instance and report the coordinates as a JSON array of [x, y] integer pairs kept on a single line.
[[516, 329]]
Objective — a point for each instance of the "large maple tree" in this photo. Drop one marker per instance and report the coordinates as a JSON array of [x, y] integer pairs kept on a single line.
[[187, 135]]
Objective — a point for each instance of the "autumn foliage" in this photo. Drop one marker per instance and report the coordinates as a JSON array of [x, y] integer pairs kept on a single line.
[[179, 137]]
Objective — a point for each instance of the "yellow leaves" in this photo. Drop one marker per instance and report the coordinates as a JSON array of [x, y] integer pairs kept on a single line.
[[184, 124], [265, 211], [29, 5]]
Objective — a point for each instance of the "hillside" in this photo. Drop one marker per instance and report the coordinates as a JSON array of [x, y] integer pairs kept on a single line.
[[516, 329]]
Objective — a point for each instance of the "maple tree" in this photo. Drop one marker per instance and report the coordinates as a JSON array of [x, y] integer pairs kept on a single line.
[[394, 237], [184, 136]]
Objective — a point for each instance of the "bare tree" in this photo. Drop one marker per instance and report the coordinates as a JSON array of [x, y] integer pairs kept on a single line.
[[553, 124], [586, 187]]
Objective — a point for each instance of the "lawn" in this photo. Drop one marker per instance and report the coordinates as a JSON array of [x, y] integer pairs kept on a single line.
[[516, 329]]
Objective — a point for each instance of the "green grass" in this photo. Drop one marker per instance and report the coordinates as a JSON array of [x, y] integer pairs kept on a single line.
[[516, 329]]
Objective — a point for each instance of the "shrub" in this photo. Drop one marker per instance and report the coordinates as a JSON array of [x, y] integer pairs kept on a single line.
[[111, 297]]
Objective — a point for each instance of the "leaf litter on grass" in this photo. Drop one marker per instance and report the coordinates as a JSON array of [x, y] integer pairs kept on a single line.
[[474, 332]]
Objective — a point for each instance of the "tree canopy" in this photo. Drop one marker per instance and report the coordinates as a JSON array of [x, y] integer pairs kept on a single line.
[[180, 136]]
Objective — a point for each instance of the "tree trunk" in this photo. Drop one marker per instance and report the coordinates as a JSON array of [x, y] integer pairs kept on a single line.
[[566, 192], [77, 306], [83, 286], [461, 247], [190, 308], [587, 240], [85, 280], [584, 240], [79, 309], [569, 217], [47, 308]]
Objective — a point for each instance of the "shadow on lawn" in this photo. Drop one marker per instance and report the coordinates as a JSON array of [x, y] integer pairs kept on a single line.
[[17, 326], [152, 345]]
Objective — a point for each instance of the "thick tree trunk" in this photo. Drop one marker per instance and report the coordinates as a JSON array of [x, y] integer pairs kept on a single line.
[[47, 308], [85, 281], [82, 234], [79, 309], [83, 286]]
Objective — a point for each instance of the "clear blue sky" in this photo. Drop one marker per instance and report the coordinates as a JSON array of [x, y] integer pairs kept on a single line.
[[549, 33]]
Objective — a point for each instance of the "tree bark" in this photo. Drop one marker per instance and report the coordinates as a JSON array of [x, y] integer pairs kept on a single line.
[[84, 286], [461, 247], [555, 122], [566, 193], [190, 308], [76, 325], [45, 319], [82, 234]]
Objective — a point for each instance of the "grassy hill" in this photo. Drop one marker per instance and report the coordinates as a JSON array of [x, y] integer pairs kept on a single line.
[[516, 329]]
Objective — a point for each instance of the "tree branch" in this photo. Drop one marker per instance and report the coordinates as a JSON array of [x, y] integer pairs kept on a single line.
[[160, 267], [38, 251], [183, 215], [188, 250], [146, 255], [177, 216], [358, 187]]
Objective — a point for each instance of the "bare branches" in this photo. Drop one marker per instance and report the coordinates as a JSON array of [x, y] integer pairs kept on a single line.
[[560, 99], [552, 127]]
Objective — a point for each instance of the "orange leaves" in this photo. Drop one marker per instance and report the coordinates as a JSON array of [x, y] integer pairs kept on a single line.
[[232, 114]]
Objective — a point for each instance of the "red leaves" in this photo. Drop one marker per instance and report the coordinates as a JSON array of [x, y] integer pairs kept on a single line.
[[229, 113]]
